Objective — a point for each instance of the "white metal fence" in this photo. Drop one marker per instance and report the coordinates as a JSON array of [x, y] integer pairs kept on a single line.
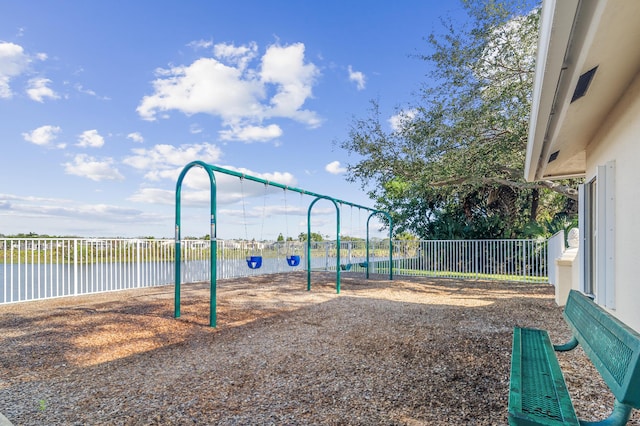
[[509, 260], [54, 267]]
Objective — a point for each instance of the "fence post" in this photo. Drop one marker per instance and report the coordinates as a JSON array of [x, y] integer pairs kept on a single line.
[[326, 256], [475, 258], [524, 260], [220, 252], [138, 265], [75, 267]]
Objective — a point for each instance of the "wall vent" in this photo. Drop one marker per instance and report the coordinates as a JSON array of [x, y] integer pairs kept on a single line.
[[583, 84]]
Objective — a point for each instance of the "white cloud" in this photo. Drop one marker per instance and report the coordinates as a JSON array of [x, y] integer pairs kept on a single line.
[[166, 161], [334, 168], [230, 189], [92, 168], [49, 210], [90, 138], [252, 133], [285, 67], [13, 62], [227, 87], [136, 137], [154, 196], [200, 44], [43, 135], [29, 198], [401, 119], [357, 77], [237, 55], [80, 88], [205, 86], [38, 90]]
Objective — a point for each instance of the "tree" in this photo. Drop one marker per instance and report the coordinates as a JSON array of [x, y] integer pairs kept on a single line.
[[280, 238], [350, 238], [314, 237], [451, 165]]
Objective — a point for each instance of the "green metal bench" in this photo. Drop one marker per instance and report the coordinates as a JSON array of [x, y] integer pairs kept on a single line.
[[538, 393]]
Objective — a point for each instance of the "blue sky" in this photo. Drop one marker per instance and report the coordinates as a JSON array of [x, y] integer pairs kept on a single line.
[[104, 103]]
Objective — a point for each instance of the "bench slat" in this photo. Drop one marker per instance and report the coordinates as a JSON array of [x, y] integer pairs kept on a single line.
[[538, 394]]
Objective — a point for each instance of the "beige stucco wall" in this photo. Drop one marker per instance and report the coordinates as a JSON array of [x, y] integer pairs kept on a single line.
[[567, 275], [619, 140]]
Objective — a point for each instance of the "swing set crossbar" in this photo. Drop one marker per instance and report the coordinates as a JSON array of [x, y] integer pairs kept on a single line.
[[210, 169]]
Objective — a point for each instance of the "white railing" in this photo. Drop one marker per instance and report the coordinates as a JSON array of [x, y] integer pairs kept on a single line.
[[35, 269], [508, 260], [44, 268]]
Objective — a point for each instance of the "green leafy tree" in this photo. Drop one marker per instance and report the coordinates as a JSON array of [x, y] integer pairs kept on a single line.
[[406, 236], [314, 237], [350, 238], [451, 165]]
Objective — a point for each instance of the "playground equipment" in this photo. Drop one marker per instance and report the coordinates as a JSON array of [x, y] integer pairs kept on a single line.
[[210, 169]]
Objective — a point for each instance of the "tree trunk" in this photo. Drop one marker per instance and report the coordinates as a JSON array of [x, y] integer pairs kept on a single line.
[[535, 200]]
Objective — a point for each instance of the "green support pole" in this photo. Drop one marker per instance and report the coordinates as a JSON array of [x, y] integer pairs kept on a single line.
[[367, 251], [213, 243], [318, 198], [176, 299], [338, 248], [213, 264], [309, 249], [390, 245]]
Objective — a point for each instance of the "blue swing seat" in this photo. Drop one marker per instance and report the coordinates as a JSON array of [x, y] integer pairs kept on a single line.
[[293, 260], [254, 262], [346, 267]]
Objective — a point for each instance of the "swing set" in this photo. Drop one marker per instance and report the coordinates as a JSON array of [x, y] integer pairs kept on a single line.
[[254, 261]]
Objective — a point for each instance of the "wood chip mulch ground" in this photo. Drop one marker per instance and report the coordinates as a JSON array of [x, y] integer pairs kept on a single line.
[[412, 351]]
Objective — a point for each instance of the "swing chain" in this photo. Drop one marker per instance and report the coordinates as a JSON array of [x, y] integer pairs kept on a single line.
[[244, 211], [286, 222], [264, 210]]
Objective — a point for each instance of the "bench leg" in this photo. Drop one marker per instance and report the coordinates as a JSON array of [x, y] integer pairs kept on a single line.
[[570, 345], [619, 416]]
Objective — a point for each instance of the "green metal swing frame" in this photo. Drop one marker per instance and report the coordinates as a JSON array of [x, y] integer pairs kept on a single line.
[[210, 169]]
